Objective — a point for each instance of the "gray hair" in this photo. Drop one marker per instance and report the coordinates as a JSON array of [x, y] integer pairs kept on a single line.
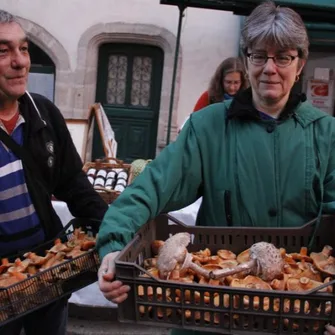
[[6, 17], [278, 26]]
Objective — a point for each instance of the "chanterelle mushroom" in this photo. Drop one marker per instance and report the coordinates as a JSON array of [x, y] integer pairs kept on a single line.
[[174, 252], [265, 261]]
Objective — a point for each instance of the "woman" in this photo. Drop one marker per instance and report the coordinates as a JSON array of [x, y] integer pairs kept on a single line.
[[227, 80], [265, 158]]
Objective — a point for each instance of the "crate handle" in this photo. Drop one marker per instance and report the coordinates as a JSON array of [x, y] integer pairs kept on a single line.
[[317, 289], [107, 159]]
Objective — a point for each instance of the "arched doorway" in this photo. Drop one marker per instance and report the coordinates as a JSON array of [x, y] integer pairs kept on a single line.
[[42, 73]]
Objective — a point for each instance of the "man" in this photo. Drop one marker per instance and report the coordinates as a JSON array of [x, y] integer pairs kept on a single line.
[[46, 164]]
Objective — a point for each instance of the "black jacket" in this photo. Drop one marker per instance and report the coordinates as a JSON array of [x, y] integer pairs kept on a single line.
[[58, 167]]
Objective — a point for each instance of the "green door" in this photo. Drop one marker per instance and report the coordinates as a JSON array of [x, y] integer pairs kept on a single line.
[[129, 89]]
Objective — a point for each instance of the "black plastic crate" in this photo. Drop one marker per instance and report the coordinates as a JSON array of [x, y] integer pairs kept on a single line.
[[53, 283], [223, 309]]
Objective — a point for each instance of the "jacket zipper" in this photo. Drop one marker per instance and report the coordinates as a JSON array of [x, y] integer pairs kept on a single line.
[[227, 205]]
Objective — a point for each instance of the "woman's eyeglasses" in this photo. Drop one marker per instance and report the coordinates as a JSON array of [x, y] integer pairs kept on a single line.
[[280, 60]]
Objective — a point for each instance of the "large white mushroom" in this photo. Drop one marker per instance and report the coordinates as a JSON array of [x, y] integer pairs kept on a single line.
[[174, 252], [265, 261]]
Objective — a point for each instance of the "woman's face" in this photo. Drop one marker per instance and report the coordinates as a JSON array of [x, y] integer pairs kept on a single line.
[[270, 83], [232, 83]]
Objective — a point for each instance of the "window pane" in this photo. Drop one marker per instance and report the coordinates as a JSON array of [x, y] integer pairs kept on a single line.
[[141, 81], [117, 76]]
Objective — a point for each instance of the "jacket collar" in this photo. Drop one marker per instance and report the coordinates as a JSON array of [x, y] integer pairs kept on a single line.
[[242, 108], [31, 113]]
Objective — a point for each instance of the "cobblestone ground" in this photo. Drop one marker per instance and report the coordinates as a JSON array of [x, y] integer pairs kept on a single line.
[[103, 321], [87, 327]]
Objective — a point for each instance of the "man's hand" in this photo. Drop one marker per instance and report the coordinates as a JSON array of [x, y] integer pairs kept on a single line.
[[330, 330], [114, 291]]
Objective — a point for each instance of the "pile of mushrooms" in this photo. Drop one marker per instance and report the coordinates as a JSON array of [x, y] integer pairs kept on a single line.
[[31, 264], [262, 259], [261, 267], [265, 260]]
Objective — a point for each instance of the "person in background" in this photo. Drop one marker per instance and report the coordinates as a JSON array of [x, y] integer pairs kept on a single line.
[[263, 159], [228, 79], [45, 164]]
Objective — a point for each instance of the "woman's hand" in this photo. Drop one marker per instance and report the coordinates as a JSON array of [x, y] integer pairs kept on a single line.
[[114, 291], [330, 330]]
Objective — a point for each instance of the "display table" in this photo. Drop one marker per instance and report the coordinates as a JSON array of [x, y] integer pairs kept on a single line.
[[91, 295]]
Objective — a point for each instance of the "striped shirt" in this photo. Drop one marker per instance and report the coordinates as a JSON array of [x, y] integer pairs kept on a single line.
[[19, 224]]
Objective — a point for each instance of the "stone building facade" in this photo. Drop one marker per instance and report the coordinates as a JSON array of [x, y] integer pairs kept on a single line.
[[71, 33]]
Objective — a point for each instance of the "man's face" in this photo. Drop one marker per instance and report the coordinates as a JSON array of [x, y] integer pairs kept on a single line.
[[14, 61]]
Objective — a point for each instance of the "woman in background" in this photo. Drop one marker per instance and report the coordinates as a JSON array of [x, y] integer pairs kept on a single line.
[[228, 79]]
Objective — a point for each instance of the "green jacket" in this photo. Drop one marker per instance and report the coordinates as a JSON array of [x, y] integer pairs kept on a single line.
[[250, 172]]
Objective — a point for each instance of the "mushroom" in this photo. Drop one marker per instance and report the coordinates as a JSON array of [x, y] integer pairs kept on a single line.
[[251, 282], [202, 253], [55, 260], [323, 261], [309, 271], [226, 254], [5, 265], [329, 280], [302, 256], [292, 269], [304, 284], [280, 283], [155, 246], [75, 252], [265, 261], [150, 262], [227, 263], [202, 256], [37, 260], [174, 252], [12, 278], [244, 256], [19, 266], [58, 246]]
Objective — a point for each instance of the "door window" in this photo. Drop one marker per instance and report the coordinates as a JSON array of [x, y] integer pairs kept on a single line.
[[141, 81], [117, 80]]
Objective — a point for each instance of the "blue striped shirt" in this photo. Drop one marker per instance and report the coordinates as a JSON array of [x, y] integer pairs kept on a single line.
[[17, 212]]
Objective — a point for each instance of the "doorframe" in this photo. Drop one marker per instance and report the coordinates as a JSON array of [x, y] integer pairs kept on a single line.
[[117, 32], [156, 90]]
